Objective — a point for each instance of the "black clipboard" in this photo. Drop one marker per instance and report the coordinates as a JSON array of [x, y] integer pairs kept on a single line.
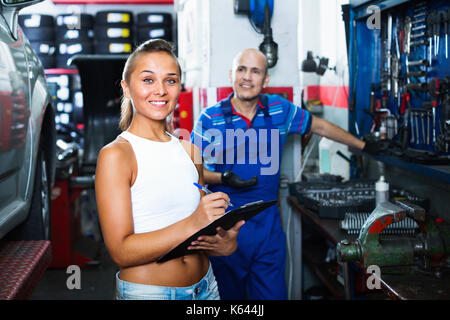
[[227, 221]]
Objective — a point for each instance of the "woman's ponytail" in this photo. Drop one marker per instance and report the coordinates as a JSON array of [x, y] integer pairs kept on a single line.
[[126, 114]]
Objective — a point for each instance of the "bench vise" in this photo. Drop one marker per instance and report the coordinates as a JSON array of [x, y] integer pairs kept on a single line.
[[429, 248]]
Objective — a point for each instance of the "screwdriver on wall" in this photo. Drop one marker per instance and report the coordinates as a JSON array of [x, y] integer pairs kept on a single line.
[[430, 19], [436, 31], [446, 18], [434, 94]]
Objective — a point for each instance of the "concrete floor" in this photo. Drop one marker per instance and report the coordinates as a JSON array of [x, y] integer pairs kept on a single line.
[[97, 281]]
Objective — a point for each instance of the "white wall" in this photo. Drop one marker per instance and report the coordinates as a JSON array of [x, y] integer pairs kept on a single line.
[[212, 29], [321, 30]]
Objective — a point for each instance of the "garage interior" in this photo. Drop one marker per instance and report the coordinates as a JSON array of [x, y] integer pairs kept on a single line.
[[378, 69]]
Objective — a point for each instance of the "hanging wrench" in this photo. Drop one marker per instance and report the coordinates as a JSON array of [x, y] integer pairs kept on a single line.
[[418, 35], [395, 69], [434, 94], [416, 74], [417, 127], [422, 117], [420, 86], [430, 20], [418, 43], [418, 21], [407, 44], [422, 62]]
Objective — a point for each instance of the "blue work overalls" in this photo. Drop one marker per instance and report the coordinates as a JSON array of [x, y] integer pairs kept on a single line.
[[256, 269]]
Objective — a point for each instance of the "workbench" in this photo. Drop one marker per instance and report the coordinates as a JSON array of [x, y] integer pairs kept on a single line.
[[397, 284]]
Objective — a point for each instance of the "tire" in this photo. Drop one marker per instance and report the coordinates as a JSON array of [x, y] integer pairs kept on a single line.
[[72, 21], [72, 48], [36, 20], [66, 34], [44, 48], [154, 19], [38, 223], [112, 17], [114, 47], [145, 33], [107, 32], [40, 34]]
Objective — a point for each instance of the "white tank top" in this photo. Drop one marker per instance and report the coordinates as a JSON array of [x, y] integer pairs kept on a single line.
[[163, 192]]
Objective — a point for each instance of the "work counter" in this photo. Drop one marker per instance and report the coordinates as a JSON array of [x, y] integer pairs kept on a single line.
[[396, 283]]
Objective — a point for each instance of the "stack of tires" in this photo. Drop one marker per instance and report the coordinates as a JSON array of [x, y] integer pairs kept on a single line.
[[67, 98], [40, 30], [77, 101], [74, 34], [63, 97], [113, 32], [151, 25]]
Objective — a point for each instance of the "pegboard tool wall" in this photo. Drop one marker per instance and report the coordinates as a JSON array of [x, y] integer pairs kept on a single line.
[[372, 60]]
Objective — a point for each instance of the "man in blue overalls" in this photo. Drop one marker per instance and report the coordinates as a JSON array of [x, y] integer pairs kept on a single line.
[[261, 124]]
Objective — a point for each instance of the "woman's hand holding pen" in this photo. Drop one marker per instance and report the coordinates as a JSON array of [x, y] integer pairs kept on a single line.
[[210, 208]]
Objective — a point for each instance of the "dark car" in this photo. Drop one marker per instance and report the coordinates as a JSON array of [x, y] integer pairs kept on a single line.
[[27, 133]]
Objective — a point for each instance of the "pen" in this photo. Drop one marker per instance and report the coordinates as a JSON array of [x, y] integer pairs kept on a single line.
[[207, 191]]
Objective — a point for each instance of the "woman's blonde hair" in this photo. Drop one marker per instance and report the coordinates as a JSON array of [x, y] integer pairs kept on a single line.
[[149, 46]]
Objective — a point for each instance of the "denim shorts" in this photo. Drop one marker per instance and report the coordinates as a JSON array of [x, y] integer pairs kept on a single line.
[[205, 289]]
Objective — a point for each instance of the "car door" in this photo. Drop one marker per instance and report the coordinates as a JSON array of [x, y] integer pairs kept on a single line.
[[14, 122]]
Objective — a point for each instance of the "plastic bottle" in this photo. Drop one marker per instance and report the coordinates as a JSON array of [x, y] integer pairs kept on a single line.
[[383, 131], [381, 191]]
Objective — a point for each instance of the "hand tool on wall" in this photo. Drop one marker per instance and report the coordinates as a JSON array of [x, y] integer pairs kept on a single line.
[[422, 62], [446, 20], [419, 28], [419, 43], [395, 73], [417, 35], [443, 140], [419, 21], [419, 25], [418, 86], [405, 110], [416, 74], [427, 106], [422, 121], [416, 125], [434, 88], [407, 29], [396, 68], [413, 138], [430, 19], [372, 101], [420, 14], [388, 55], [371, 110], [436, 30], [420, 6]]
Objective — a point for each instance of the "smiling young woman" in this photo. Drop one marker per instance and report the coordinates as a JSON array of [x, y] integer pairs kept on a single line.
[[139, 79], [146, 199]]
